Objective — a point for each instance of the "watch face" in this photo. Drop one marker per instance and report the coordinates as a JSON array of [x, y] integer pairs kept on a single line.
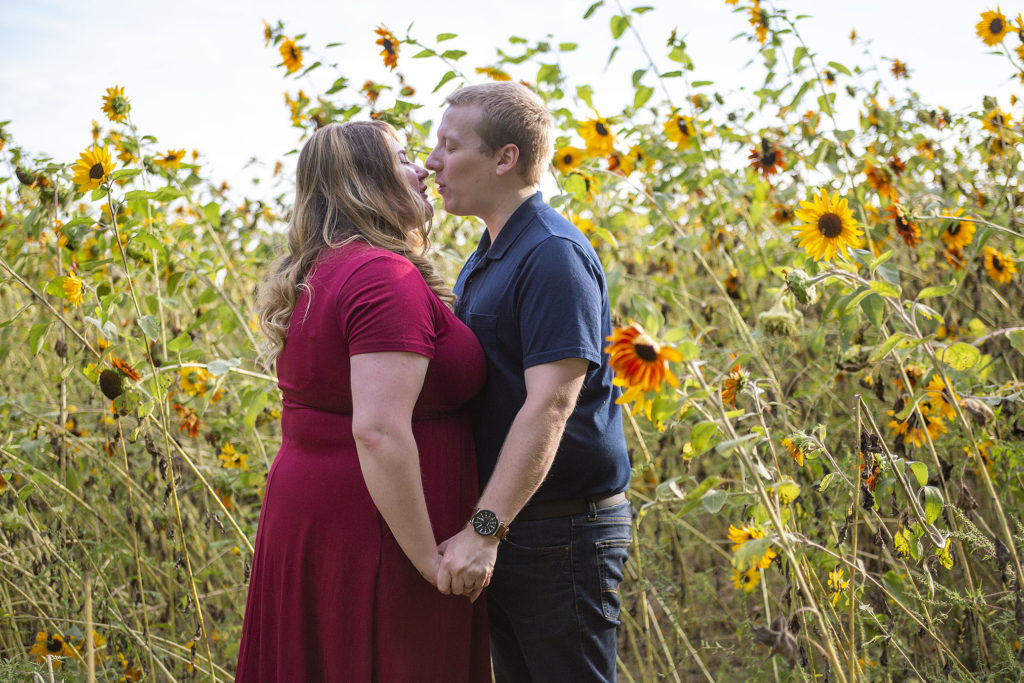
[[485, 522]]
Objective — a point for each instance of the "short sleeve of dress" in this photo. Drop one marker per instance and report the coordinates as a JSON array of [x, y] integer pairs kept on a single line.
[[385, 305]]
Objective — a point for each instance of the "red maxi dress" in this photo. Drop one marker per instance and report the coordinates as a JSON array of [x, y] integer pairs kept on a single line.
[[331, 596]]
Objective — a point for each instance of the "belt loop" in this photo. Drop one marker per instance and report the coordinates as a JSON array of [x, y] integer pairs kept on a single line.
[[591, 509]]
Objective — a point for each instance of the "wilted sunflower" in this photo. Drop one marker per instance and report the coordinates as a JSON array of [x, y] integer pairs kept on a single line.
[[993, 27], [828, 226], [905, 228], [959, 232], [125, 368], [172, 159], [767, 159], [999, 266], [680, 130], [73, 289], [92, 168], [390, 45], [879, 179], [639, 360], [733, 384], [291, 54], [115, 104], [568, 158], [598, 136], [794, 451], [759, 20], [899, 69]]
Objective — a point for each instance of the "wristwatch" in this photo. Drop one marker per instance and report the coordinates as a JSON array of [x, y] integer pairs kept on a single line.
[[486, 523]]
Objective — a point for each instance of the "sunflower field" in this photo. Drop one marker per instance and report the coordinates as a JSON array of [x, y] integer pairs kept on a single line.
[[820, 341]]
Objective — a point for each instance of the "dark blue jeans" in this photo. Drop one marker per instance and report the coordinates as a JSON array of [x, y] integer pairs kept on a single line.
[[554, 600]]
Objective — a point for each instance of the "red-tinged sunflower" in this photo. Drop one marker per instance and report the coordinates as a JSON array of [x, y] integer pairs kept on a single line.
[[493, 73], [896, 166], [993, 27], [879, 179], [598, 136], [92, 168], [172, 159], [370, 89], [955, 258], [115, 104], [941, 399], [389, 45], [958, 232], [620, 164], [733, 384], [767, 159], [999, 266], [828, 227], [126, 369], [291, 54], [639, 360], [680, 130], [189, 420], [567, 158], [899, 69], [905, 228]]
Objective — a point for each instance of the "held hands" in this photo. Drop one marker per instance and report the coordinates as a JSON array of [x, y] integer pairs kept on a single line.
[[467, 563]]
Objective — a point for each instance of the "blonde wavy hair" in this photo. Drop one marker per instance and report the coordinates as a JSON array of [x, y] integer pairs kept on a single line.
[[349, 186]]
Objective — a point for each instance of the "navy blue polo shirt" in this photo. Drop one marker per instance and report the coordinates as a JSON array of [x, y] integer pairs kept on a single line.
[[538, 295]]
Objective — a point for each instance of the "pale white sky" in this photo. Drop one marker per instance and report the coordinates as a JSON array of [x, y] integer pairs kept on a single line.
[[198, 74]]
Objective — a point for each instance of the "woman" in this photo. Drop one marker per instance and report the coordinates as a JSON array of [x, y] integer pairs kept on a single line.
[[376, 460]]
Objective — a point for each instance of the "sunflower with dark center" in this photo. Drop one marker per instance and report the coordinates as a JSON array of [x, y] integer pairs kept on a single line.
[[51, 644], [905, 228], [92, 168], [640, 361], [125, 369], [878, 178], [732, 283], [598, 136], [899, 69], [680, 130], [993, 27], [830, 77], [828, 227], [567, 158], [941, 399], [958, 233], [390, 46], [767, 158], [291, 54], [896, 166], [172, 159], [999, 266], [998, 123], [115, 104]]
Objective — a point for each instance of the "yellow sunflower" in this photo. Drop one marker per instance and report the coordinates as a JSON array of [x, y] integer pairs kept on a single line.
[[733, 384], [291, 54], [905, 228], [747, 580], [52, 644], [993, 27], [568, 158], [940, 400], [959, 232], [997, 122], [899, 69], [92, 168], [268, 34], [390, 46], [639, 360], [96, 131], [115, 104], [621, 164], [231, 459], [999, 266], [598, 136], [680, 130], [759, 20], [836, 585], [73, 289], [828, 227], [794, 451], [493, 73], [172, 159]]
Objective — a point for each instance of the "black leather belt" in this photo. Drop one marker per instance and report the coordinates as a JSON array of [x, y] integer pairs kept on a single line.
[[563, 508]]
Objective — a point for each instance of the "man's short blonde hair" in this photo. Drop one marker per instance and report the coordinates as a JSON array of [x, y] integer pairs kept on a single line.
[[512, 114]]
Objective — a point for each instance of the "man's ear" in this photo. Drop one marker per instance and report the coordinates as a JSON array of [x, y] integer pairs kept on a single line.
[[508, 156]]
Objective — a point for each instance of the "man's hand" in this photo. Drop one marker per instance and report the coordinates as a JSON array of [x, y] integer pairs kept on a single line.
[[467, 563]]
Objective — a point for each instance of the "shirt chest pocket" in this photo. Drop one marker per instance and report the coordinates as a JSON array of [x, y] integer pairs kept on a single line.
[[485, 327]]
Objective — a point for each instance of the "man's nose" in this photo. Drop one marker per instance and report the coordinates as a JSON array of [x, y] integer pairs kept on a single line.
[[432, 163]]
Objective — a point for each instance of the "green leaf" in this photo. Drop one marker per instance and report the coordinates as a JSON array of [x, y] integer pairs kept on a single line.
[[586, 93], [444, 79], [643, 94], [932, 503], [425, 52], [920, 471], [798, 54], [593, 8], [827, 480], [714, 500], [942, 290], [727, 446], [453, 54], [874, 308], [840, 68], [441, 37], [751, 552], [885, 288], [567, 47], [37, 335], [1017, 340], [124, 174], [619, 24], [701, 434], [150, 325], [338, 85], [99, 193], [212, 213], [220, 367], [137, 194], [961, 356], [887, 346], [689, 350], [180, 343]]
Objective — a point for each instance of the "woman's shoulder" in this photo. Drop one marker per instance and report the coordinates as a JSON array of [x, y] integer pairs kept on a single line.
[[361, 259]]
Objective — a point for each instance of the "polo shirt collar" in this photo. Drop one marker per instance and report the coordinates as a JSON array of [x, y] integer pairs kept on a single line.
[[513, 227]]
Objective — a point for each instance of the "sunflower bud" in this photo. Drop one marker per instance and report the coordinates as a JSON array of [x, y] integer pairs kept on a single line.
[[777, 322], [110, 384], [24, 176], [799, 283]]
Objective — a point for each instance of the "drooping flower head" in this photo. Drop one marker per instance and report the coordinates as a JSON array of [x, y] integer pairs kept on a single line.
[[905, 228], [993, 27], [828, 227], [389, 45], [639, 360], [72, 287], [291, 54], [115, 104], [92, 168]]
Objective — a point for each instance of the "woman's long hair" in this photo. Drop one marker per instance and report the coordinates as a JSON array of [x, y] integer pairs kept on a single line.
[[349, 186]]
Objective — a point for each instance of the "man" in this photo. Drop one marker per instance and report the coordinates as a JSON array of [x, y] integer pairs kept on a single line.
[[551, 451]]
